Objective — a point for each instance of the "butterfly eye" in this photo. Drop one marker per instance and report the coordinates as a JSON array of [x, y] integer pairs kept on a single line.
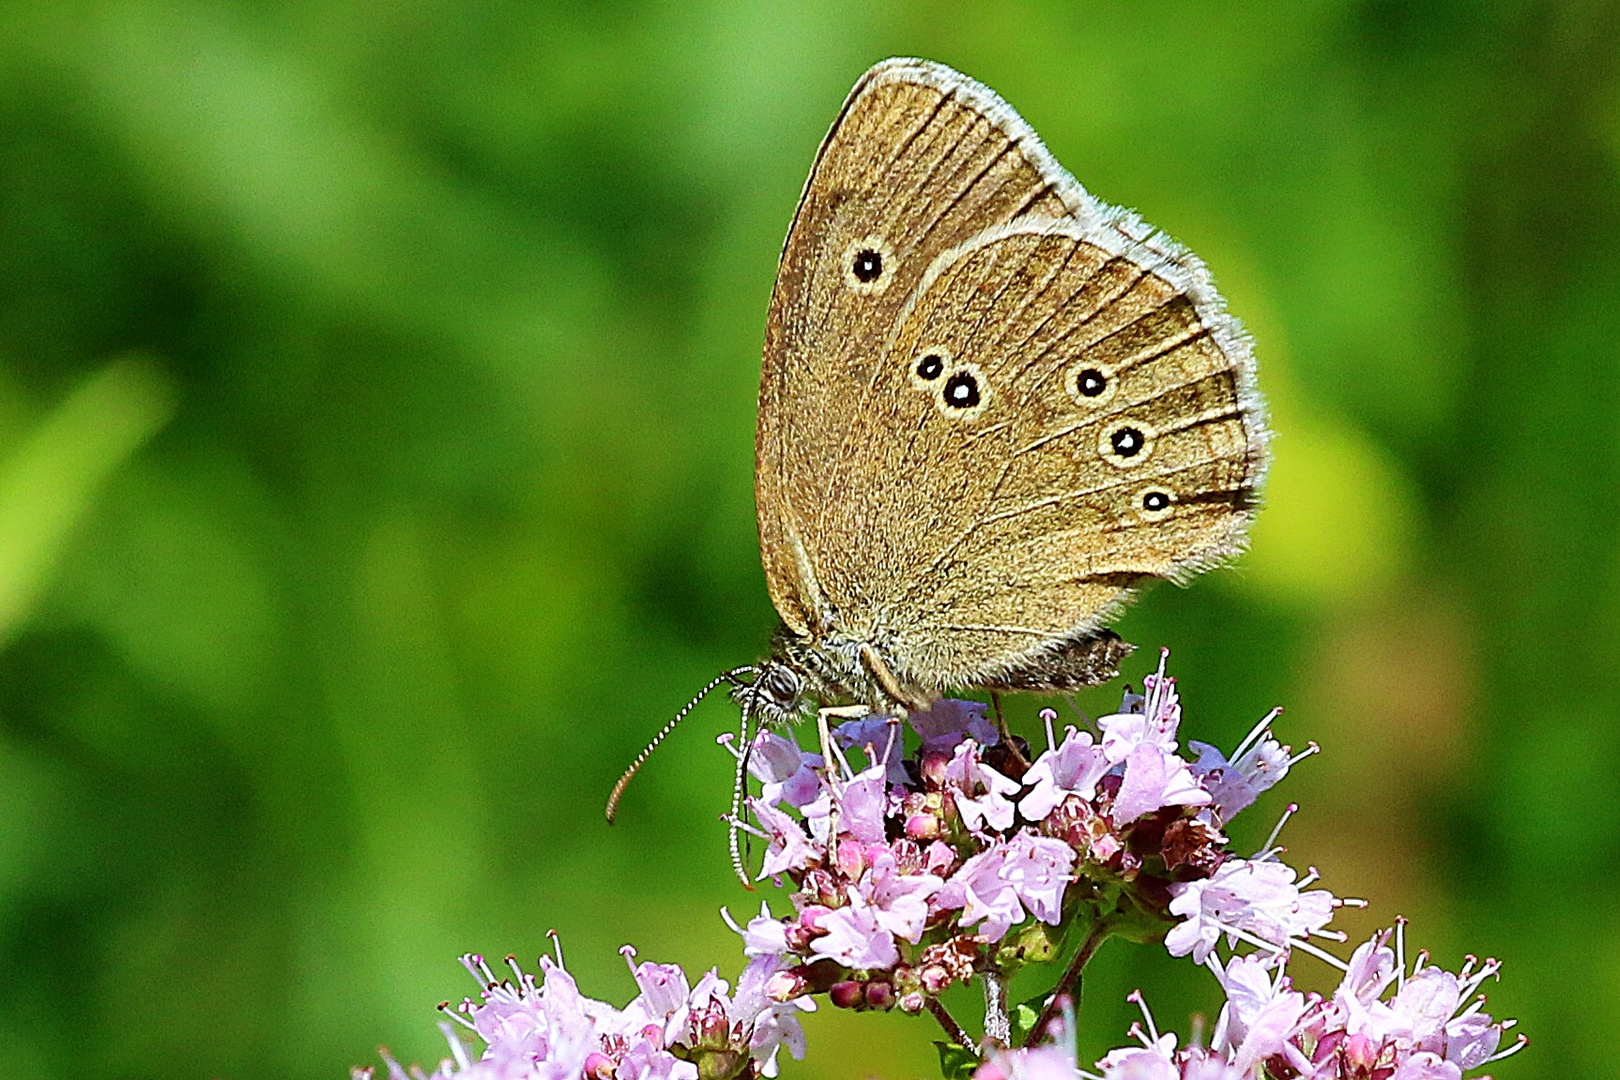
[[867, 266], [930, 367]]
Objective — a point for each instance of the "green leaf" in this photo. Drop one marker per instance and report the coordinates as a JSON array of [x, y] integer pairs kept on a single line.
[[1024, 1016], [956, 1062]]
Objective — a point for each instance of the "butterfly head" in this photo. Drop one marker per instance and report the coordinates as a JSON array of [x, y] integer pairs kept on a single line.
[[778, 695]]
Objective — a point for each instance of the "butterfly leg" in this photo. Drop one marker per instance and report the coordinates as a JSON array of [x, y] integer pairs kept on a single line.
[[1001, 725], [830, 757], [891, 685]]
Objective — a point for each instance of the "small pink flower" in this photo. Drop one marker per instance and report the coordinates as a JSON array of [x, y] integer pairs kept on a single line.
[[950, 721], [856, 938], [1070, 769], [786, 773], [1260, 898], [983, 795], [1153, 779], [789, 848]]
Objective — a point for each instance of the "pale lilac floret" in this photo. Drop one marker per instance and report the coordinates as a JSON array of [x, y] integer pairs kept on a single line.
[[1051, 1061], [979, 890], [1155, 1061], [1008, 882], [856, 938], [765, 935], [1151, 719], [1070, 769], [1039, 868], [775, 1023], [664, 988], [983, 795], [862, 802], [1154, 778], [786, 773], [944, 726], [1260, 898], [1261, 1014], [879, 738], [899, 901], [1259, 761], [788, 847]]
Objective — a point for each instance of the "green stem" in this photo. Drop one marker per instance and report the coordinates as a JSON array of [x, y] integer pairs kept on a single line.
[[1068, 987]]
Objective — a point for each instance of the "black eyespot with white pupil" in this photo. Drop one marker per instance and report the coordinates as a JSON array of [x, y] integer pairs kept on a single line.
[[1090, 382], [1127, 442], [961, 390], [868, 266], [1154, 501], [930, 367]]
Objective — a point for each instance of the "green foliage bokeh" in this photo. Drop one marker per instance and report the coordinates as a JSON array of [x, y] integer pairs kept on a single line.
[[376, 411]]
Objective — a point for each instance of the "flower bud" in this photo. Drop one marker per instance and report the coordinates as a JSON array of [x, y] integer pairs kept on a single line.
[[879, 995], [933, 767], [851, 859], [598, 1066], [786, 985], [846, 995], [923, 827], [912, 1002]]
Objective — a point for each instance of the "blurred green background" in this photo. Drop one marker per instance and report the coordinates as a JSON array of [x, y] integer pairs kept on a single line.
[[376, 411]]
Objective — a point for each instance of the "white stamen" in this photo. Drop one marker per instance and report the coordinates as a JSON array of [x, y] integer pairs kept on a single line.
[[742, 825], [1047, 717], [1269, 849], [1400, 953], [444, 1007], [556, 943], [1293, 943], [1136, 995], [1310, 748], [1255, 734], [1518, 1044]]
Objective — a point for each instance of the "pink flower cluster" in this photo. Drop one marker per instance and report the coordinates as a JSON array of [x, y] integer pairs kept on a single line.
[[917, 871], [1432, 1027], [546, 1029]]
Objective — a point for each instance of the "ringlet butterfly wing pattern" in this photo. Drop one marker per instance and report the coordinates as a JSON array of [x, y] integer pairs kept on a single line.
[[991, 407]]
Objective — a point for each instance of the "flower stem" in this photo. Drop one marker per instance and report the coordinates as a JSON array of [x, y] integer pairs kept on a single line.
[[1068, 987], [997, 1025], [948, 1022]]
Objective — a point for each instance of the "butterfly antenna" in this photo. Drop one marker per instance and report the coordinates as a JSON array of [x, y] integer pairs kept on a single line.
[[739, 788], [732, 676]]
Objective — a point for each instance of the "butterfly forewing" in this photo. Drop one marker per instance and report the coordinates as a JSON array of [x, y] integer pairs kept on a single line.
[[917, 163], [1035, 405]]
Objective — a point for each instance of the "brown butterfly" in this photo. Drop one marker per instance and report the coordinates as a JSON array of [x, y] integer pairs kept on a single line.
[[991, 408]]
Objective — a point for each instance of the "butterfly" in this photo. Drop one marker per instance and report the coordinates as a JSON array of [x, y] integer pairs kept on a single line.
[[991, 409]]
